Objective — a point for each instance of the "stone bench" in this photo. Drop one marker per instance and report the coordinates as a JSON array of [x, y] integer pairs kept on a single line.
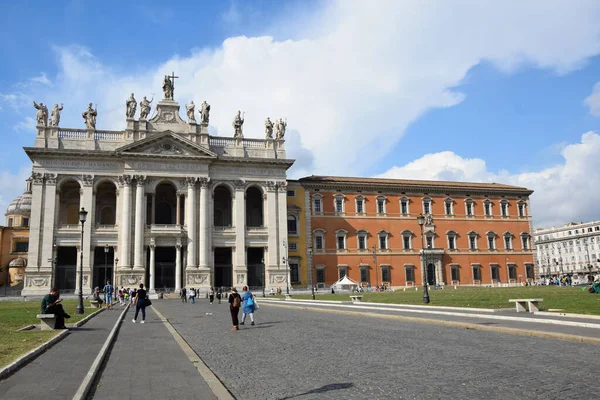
[[48, 321], [356, 299], [524, 305], [94, 304]]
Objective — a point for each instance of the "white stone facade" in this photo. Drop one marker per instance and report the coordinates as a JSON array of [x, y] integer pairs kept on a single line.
[[570, 249], [168, 205]]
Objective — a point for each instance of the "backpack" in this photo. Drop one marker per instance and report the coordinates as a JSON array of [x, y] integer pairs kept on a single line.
[[237, 301]]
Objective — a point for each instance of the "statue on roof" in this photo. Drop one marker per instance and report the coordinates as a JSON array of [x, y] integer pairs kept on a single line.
[[238, 123], [268, 128], [55, 120], [131, 105], [189, 109], [89, 116], [280, 128], [167, 88], [41, 116], [204, 112], [145, 107]]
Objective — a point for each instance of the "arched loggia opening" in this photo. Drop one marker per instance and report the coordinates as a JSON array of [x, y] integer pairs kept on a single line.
[[254, 207], [69, 196], [222, 206], [165, 212], [106, 203]]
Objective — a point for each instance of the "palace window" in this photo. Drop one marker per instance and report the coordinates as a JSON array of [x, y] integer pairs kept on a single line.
[[385, 274], [361, 236], [22, 247], [487, 208], [293, 246], [449, 206], [292, 225], [455, 272], [320, 274], [383, 239], [472, 240], [495, 270], [426, 205], [404, 202], [504, 208], [26, 222], [339, 203], [508, 241], [407, 240], [451, 240], [291, 193], [525, 240], [529, 271], [521, 208], [381, 209], [364, 274], [319, 235], [360, 205], [317, 203], [342, 271], [469, 207], [476, 272], [409, 271], [294, 273], [512, 271], [340, 235], [491, 237]]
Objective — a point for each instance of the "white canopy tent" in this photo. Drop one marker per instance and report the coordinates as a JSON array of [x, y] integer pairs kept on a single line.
[[345, 284]]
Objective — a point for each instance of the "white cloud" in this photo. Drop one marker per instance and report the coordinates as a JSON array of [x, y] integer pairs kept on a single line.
[[26, 125], [593, 101], [42, 78], [565, 192]]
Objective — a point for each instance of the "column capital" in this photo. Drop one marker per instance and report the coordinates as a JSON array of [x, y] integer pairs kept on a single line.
[[238, 184], [88, 180], [50, 178], [191, 181], [270, 186], [38, 178], [140, 179], [282, 185], [204, 182], [124, 180]]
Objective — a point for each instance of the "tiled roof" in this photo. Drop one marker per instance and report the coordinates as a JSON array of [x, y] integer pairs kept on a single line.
[[410, 183]]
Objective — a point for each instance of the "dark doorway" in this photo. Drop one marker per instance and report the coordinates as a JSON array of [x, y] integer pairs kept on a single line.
[[223, 267], [164, 268], [66, 266], [101, 274], [256, 268], [222, 206], [166, 205], [431, 274], [254, 208]]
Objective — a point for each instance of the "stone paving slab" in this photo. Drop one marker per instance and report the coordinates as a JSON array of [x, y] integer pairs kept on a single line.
[[147, 363], [307, 354], [58, 372]]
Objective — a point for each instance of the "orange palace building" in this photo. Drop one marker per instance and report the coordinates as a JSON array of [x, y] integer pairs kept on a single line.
[[367, 229]]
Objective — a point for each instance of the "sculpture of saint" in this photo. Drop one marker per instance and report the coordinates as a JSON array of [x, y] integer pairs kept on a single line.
[[280, 128], [238, 123], [428, 219], [145, 107], [190, 112], [89, 116], [168, 88], [41, 116], [131, 106], [56, 114], [204, 112], [268, 128]]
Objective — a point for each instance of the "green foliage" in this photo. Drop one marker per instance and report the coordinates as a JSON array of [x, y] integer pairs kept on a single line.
[[567, 299]]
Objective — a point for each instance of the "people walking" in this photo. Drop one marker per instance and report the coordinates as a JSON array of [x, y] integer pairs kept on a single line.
[[183, 295], [108, 295], [248, 305], [234, 308], [192, 296], [140, 303], [211, 295], [219, 295]]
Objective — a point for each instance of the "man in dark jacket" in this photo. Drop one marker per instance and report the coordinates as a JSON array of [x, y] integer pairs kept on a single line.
[[51, 305]]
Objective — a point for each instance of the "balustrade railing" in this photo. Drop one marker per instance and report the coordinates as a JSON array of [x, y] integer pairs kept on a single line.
[[66, 133], [108, 135]]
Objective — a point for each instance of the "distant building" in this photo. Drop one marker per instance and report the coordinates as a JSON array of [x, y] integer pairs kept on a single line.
[[14, 239], [366, 229], [571, 249]]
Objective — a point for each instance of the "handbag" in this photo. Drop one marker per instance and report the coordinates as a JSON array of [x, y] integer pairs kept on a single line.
[[148, 302], [250, 302]]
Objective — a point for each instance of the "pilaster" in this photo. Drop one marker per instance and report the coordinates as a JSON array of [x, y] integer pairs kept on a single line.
[[36, 283], [125, 231], [138, 262], [48, 218], [240, 270], [190, 216], [205, 234], [87, 202]]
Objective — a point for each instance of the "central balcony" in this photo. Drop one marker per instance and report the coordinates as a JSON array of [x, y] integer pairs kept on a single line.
[[165, 230]]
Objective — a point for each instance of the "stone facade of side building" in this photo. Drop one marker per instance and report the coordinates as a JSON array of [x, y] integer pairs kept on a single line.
[[366, 228], [168, 205]]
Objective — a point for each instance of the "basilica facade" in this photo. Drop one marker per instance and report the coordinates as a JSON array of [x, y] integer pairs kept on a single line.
[[168, 204]]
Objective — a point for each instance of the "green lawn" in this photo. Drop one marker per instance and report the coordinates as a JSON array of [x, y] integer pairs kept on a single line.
[[571, 300], [15, 315]]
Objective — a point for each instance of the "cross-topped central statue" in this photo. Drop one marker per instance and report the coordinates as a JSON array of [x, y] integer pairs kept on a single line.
[[169, 86]]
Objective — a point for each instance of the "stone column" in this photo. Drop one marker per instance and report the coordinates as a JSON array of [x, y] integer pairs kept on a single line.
[[153, 211], [87, 202], [178, 266], [190, 216], [271, 219], [178, 214], [152, 267], [138, 252], [49, 218], [282, 225], [35, 226], [205, 234], [240, 270], [125, 239]]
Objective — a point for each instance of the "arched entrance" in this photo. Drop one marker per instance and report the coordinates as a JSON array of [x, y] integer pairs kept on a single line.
[[106, 203], [222, 206], [165, 205], [69, 203], [254, 207], [431, 274]]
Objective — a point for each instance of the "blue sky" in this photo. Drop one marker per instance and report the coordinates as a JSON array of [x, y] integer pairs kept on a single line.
[[412, 89]]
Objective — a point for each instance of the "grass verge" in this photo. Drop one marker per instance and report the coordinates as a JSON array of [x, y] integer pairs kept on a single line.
[[16, 315], [570, 299]]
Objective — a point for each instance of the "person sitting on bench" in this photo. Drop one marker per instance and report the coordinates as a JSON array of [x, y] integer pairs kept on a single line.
[[51, 305], [96, 296]]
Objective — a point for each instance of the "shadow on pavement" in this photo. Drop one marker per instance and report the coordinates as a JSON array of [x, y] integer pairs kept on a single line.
[[323, 389]]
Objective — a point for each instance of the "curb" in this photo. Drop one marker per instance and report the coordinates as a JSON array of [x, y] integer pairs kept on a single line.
[[209, 377], [21, 361], [453, 324], [85, 386]]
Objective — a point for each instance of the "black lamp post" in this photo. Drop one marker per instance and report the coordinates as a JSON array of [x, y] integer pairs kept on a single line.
[[286, 261], [115, 271], [309, 262], [82, 218], [421, 221], [262, 260], [105, 261]]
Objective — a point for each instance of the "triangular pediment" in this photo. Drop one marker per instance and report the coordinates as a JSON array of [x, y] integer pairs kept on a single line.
[[166, 143]]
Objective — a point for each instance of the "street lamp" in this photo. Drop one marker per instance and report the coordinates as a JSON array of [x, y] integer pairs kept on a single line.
[[421, 221], [309, 264], [115, 270], [262, 260], [376, 271], [105, 261], [82, 218], [286, 261]]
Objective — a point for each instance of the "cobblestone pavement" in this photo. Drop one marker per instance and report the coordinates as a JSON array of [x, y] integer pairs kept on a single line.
[[304, 354]]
